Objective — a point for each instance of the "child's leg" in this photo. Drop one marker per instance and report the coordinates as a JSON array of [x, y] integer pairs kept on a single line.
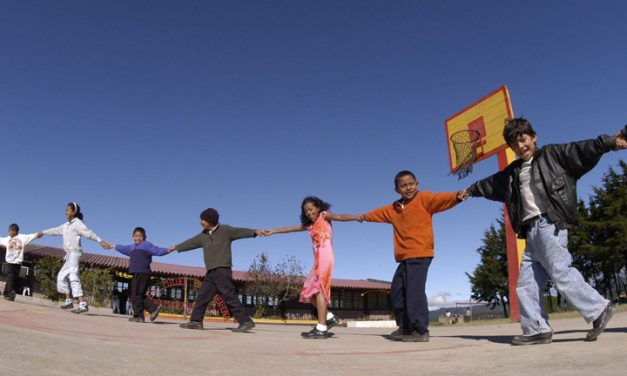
[[557, 261], [226, 289], [416, 297], [136, 298], [73, 262], [206, 292], [321, 307], [397, 296], [63, 281], [530, 291]]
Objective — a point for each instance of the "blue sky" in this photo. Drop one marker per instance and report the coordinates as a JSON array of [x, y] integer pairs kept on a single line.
[[147, 112]]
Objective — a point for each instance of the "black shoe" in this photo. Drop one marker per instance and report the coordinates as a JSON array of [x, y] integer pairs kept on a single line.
[[154, 314], [244, 327], [415, 337], [12, 296], [316, 334], [598, 326], [333, 321], [191, 325], [67, 306], [136, 319], [536, 339], [81, 309], [397, 334]]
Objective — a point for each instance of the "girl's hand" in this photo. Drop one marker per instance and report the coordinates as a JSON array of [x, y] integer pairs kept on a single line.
[[171, 249], [621, 142], [462, 195], [105, 245], [260, 232], [40, 234], [361, 218], [266, 232]]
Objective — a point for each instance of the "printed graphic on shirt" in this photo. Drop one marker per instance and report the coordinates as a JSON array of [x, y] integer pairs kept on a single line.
[[15, 250]]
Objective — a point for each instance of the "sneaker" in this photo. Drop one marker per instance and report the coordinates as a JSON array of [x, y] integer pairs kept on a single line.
[[12, 296], [244, 327], [81, 309], [536, 339], [136, 319], [332, 322], [397, 334], [191, 325], [415, 337], [154, 314], [598, 326], [315, 334], [67, 306]]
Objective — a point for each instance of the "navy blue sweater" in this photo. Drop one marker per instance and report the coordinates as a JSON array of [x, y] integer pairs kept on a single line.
[[141, 255]]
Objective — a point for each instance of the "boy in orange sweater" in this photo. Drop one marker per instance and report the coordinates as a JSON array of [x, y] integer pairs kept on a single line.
[[411, 217]]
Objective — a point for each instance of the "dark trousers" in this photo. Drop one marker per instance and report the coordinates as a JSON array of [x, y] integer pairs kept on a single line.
[[409, 299], [218, 281], [139, 286], [12, 272]]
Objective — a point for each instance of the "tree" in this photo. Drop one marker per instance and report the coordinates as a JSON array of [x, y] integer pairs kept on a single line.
[[273, 285], [46, 272], [489, 282], [97, 285]]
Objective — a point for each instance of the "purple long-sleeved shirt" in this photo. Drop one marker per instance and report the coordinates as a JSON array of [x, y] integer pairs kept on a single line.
[[141, 255]]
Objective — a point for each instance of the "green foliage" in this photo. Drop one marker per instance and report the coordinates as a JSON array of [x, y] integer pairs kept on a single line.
[[97, 285], [489, 282], [46, 273], [272, 285]]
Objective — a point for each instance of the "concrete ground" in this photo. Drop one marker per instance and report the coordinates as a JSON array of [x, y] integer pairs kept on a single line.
[[38, 338]]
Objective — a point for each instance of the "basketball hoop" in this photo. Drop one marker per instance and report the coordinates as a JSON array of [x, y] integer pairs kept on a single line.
[[465, 144]]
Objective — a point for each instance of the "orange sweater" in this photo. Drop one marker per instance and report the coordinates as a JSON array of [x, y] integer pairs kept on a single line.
[[413, 224]]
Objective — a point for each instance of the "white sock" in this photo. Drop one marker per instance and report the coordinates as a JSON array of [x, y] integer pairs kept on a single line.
[[329, 315], [68, 301], [322, 328], [82, 304]]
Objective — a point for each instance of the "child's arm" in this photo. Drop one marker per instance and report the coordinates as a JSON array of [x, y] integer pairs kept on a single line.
[[84, 231], [493, 187], [4, 241], [441, 201], [381, 215], [580, 157], [187, 245], [341, 217], [30, 237], [55, 231], [243, 233], [124, 249], [153, 249], [284, 230]]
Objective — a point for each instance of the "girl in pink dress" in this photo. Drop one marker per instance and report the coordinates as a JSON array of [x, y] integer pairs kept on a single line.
[[316, 219]]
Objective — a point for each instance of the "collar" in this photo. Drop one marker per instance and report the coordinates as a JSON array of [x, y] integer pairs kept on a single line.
[[211, 230], [72, 221]]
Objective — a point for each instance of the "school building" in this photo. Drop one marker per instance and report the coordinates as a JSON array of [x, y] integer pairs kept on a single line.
[[175, 287]]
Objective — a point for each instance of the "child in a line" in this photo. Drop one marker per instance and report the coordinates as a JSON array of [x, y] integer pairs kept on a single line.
[[140, 254], [68, 278], [316, 218], [15, 244], [411, 217], [539, 190], [216, 239]]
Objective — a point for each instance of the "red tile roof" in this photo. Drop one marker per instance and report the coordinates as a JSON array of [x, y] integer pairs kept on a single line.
[[122, 263]]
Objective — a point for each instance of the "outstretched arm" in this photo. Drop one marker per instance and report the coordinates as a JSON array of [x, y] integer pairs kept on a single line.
[[341, 217], [284, 230]]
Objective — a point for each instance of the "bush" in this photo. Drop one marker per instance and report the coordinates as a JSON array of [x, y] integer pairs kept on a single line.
[[97, 285], [46, 272]]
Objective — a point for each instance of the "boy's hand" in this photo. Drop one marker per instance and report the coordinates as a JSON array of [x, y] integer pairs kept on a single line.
[[171, 249], [361, 218], [105, 245], [621, 139], [40, 234], [462, 195], [261, 232]]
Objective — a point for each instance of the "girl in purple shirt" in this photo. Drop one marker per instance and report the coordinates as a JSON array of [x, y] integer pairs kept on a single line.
[[140, 253]]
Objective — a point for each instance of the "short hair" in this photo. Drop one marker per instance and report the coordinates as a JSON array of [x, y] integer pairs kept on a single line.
[[141, 231], [14, 227], [402, 174], [515, 128], [319, 203]]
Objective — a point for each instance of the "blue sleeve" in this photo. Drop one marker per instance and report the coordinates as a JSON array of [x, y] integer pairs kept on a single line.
[[125, 249], [152, 249]]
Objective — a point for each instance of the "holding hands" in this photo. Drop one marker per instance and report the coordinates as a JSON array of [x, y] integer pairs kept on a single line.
[[621, 139]]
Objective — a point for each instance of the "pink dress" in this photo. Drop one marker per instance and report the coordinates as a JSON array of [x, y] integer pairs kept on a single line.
[[319, 279]]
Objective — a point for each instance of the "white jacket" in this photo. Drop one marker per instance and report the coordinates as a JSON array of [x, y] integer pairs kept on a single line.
[[72, 232], [15, 247]]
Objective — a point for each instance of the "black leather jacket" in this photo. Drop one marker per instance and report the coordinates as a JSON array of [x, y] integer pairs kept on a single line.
[[555, 170]]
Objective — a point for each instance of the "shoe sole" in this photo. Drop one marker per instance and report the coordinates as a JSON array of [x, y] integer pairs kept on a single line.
[[545, 341], [595, 333], [153, 316], [306, 336]]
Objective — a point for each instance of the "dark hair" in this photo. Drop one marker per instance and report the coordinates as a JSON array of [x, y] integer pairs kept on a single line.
[[76, 209], [402, 174], [14, 227], [140, 230], [515, 128], [322, 205]]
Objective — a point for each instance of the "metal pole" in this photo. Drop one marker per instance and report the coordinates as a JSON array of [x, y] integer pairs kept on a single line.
[[185, 299]]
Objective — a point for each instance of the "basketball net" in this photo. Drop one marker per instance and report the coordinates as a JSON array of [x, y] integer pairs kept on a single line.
[[465, 146]]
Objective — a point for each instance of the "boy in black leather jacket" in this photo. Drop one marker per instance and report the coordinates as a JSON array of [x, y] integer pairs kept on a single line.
[[539, 191]]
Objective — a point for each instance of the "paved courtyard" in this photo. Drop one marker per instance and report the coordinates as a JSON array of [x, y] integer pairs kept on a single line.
[[37, 338]]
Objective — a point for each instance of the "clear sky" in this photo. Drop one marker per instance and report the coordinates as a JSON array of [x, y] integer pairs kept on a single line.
[[148, 112]]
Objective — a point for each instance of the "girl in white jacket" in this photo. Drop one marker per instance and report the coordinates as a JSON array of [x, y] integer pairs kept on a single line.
[[68, 278]]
